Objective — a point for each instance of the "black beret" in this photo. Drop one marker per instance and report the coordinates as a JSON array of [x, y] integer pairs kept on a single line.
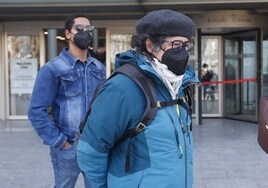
[[166, 23]]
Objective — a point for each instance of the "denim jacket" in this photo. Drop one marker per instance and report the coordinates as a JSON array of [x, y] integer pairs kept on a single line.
[[66, 85]]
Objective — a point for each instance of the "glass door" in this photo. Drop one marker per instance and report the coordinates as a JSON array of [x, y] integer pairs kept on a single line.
[[24, 53], [240, 73], [211, 74], [23, 63]]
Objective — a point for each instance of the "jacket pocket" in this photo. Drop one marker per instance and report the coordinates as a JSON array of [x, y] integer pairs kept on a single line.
[[98, 76], [71, 83]]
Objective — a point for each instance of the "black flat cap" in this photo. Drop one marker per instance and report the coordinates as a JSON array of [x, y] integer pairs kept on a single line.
[[166, 23]]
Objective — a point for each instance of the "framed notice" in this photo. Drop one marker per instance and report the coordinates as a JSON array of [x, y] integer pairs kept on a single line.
[[23, 73]]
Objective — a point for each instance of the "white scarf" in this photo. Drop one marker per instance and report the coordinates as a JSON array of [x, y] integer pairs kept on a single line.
[[171, 80]]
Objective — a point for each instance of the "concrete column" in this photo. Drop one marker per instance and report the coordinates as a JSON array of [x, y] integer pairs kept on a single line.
[[52, 43], [95, 41]]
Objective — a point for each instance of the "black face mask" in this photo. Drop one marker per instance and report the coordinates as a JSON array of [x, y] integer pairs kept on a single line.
[[83, 40], [176, 62]]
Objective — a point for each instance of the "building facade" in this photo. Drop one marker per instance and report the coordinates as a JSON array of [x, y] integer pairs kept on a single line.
[[231, 37]]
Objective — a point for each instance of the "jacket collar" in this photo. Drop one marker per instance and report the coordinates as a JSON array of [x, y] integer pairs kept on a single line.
[[72, 60]]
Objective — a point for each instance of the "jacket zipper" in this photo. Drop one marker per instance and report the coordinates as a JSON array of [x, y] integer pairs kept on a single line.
[[184, 139], [178, 142], [176, 136]]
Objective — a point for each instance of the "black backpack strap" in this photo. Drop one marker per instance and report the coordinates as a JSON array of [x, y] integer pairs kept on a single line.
[[188, 97], [181, 101], [163, 104], [145, 83], [185, 102]]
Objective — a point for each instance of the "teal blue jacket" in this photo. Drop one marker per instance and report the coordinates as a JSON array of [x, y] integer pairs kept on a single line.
[[161, 155]]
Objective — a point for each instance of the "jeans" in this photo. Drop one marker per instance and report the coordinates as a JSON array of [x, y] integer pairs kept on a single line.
[[66, 170]]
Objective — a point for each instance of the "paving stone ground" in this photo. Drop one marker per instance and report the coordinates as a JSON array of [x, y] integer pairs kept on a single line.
[[226, 155]]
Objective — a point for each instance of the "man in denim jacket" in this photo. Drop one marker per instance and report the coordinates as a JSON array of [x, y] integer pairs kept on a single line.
[[66, 84]]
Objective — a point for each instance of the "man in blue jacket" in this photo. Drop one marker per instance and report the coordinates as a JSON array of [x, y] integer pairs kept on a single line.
[[161, 155], [66, 84]]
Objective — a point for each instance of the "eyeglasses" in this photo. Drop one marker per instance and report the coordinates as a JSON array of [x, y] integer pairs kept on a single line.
[[80, 27], [177, 45]]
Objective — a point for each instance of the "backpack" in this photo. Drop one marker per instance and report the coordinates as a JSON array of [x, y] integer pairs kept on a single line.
[[145, 83]]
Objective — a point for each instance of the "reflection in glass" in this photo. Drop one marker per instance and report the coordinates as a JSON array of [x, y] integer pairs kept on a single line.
[[210, 57]]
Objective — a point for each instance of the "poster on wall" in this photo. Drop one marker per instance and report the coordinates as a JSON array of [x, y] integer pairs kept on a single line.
[[23, 73]]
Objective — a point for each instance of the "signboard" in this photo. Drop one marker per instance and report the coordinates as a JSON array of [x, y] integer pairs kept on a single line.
[[23, 73], [230, 19]]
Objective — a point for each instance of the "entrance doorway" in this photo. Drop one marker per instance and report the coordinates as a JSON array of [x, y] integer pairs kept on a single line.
[[234, 59], [241, 64]]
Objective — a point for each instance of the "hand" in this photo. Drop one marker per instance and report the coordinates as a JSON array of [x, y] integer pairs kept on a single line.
[[66, 145]]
